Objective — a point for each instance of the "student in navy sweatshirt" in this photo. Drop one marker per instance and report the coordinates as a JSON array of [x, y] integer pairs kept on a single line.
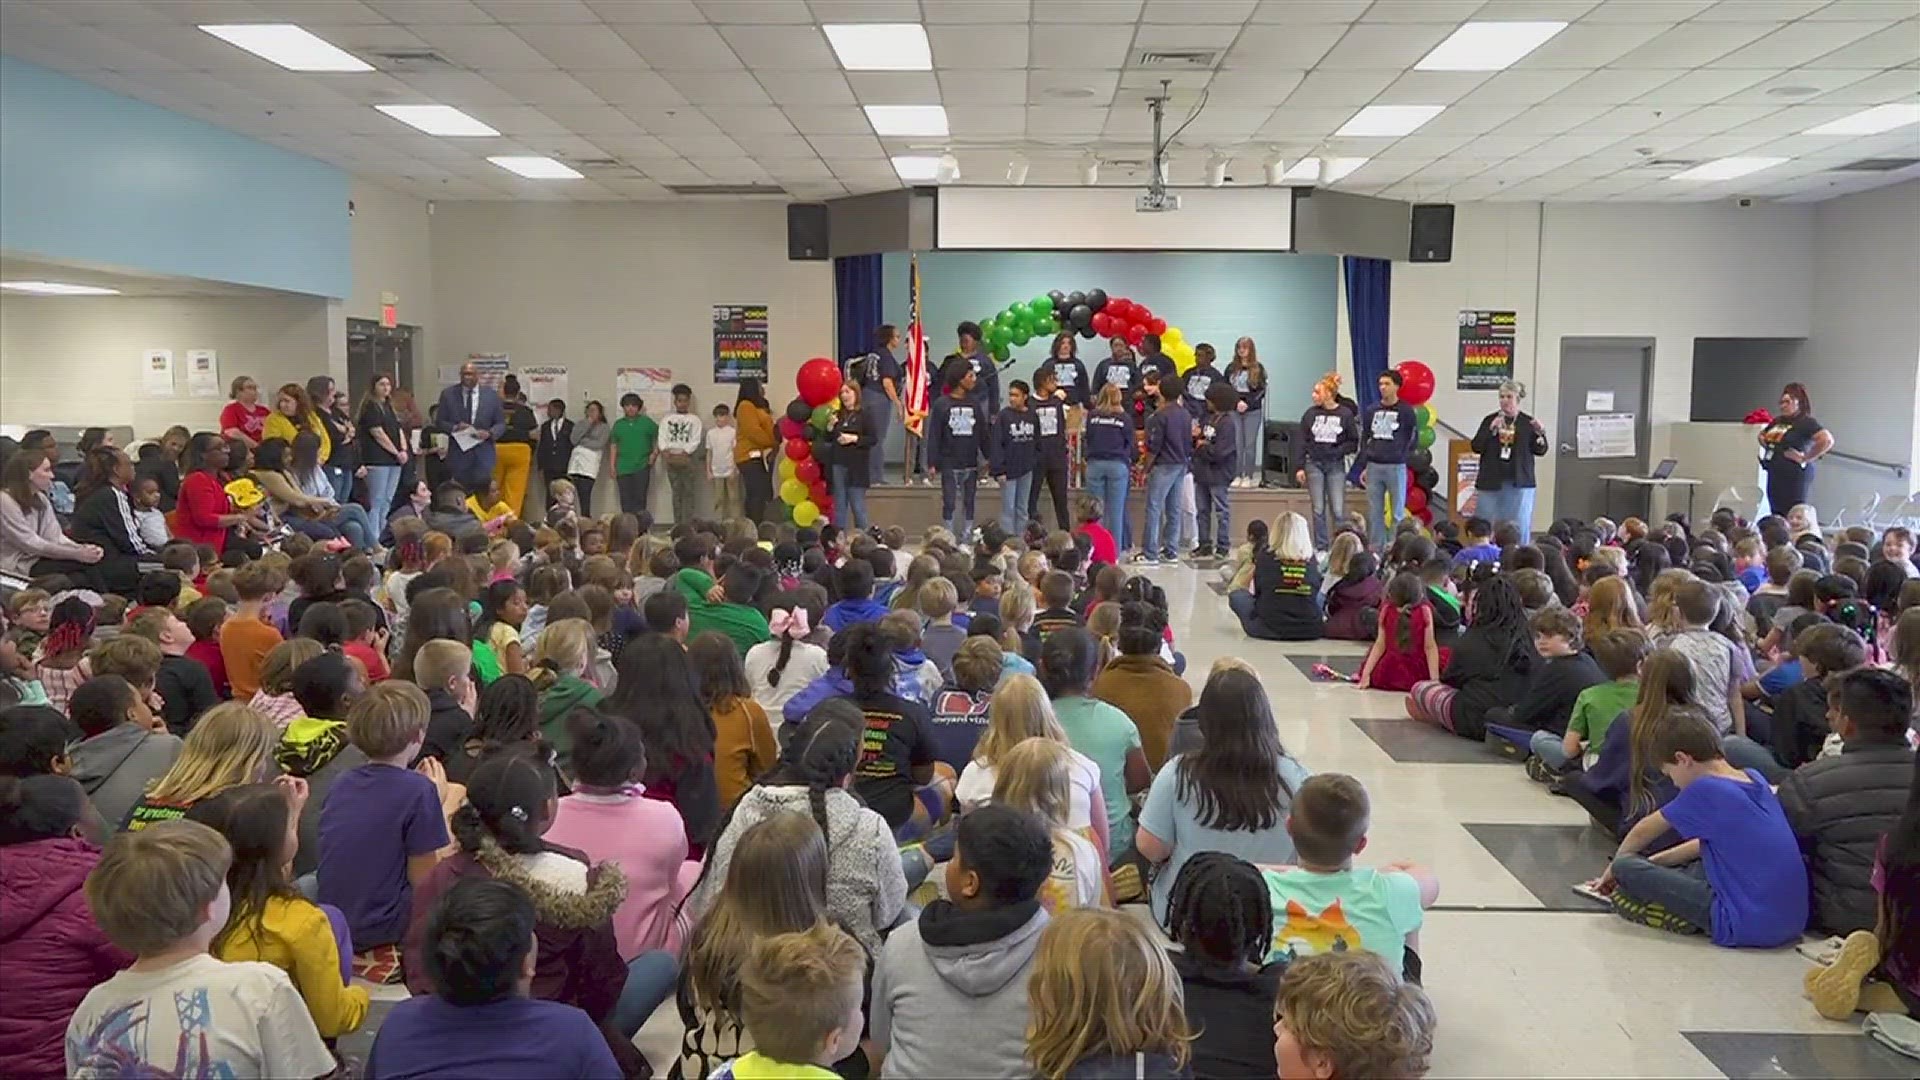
[[1197, 380], [985, 389], [1119, 369], [1049, 405], [1479, 546], [1390, 429], [856, 604], [1109, 445], [1012, 454], [1332, 431], [1064, 366], [1215, 456], [957, 433], [1169, 450]]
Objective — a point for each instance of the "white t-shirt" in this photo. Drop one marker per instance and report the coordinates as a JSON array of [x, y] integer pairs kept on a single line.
[[975, 789], [199, 1017], [720, 450], [804, 664], [680, 431]]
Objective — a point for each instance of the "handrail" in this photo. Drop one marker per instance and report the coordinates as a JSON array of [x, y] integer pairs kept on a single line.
[[1450, 427], [1893, 467]]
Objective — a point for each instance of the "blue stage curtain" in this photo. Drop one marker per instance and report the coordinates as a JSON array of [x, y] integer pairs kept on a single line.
[[859, 304], [1369, 290]]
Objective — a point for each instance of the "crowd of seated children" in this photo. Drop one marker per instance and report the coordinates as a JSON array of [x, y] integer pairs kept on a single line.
[[958, 715], [743, 743], [1105, 735], [1036, 776], [1353, 601], [655, 691]]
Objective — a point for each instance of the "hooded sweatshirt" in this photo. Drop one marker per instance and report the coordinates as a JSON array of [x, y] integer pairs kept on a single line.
[[852, 612], [558, 697], [51, 951], [116, 766], [956, 433], [745, 625], [1015, 445], [950, 992]]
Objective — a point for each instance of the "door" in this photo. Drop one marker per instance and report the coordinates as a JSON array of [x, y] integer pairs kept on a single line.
[[373, 349], [1612, 376]]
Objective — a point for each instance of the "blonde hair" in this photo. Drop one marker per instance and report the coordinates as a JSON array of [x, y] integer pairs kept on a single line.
[[1613, 558], [1610, 606], [1020, 710], [230, 744], [439, 662], [563, 487], [922, 569], [565, 647], [1016, 613], [1032, 565], [977, 663], [1661, 614], [387, 718], [1231, 663], [1356, 1010], [502, 554], [151, 888], [1291, 539], [1103, 622], [434, 548], [1101, 986], [1035, 776], [938, 598], [796, 989], [132, 657], [776, 883], [1108, 399], [1341, 552]]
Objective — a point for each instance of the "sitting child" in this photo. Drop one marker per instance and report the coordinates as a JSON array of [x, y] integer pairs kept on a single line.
[[941, 637], [1564, 673], [1037, 776], [1618, 653], [1737, 875], [205, 618], [1719, 665], [1326, 903], [161, 894], [1349, 1016], [800, 1000], [1223, 923], [1106, 1002], [1353, 601], [1404, 650], [1890, 953]]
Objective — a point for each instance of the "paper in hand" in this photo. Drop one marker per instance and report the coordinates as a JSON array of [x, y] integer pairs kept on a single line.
[[468, 439]]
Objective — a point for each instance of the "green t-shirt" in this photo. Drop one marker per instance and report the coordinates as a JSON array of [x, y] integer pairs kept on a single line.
[[1356, 908], [1104, 734], [633, 439], [1598, 706]]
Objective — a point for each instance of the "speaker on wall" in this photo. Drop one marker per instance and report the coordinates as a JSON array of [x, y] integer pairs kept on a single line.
[[1432, 233], [807, 231]]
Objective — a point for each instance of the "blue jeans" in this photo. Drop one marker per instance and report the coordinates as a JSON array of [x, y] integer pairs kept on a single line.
[[1513, 504], [1744, 753], [957, 487], [353, 524], [1014, 493], [650, 981], [1252, 440], [1386, 500], [1682, 890], [879, 418], [1327, 495], [1210, 504], [1549, 748], [383, 481], [849, 503], [1107, 480], [342, 481], [1163, 510]]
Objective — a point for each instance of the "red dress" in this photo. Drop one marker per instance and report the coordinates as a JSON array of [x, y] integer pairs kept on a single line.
[[1399, 669], [196, 517]]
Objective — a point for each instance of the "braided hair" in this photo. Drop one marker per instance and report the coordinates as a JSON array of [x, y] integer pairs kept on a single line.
[[1500, 616], [507, 796], [1219, 911]]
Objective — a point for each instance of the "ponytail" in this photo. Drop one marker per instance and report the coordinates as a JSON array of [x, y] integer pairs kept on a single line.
[[507, 796], [780, 665]]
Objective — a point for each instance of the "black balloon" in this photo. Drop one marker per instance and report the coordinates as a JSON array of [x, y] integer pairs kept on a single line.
[[1097, 299], [1087, 332], [1421, 459], [1080, 317], [1056, 296], [798, 411], [1428, 478], [1075, 299]]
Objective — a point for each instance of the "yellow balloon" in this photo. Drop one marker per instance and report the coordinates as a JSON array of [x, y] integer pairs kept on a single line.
[[806, 514], [786, 468], [1172, 337], [1182, 362], [793, 492]]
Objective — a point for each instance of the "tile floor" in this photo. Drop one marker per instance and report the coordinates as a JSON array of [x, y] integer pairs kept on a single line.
[[1530, 979]]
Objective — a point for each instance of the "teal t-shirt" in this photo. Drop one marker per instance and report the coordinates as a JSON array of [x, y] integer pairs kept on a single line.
[[1104, 734], [1176, 822], [1357, 908], [634, 438]]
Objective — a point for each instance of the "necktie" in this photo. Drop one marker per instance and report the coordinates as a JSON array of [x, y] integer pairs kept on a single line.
[[473, 406]]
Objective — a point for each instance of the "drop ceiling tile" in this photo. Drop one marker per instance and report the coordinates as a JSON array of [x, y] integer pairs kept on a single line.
[[836, 149], [635, 148], [857, 11], [1613, 86], [1421, 11], [1876, 89], [265, 87], [1471, 119], [580, 47], [1534, 10], [647, 12], [745, 119], [680, 48], [1185, 36], [1632, 119], [1185, 12], [196, 50], [1522, 87], [1297, 47], [733, 170], [1693, 44], [1391, 46], [1101, 45], [1590, 46], [781, 48], [540, 11], [1719, 146], [625, 88], [430, 11], [756, 12], [661, 122], [1867, 10], [765, 145], [483, 48], [310, 12], [1226, 124], [1755, 10], [949, 12], [697, 146], [1823, 80], [1552, 119], [983, 88], [1053, 120], [790, 169], [461, 89], [1713, 119], [592, 119], [1350, 89], [1263, 85], [545, 87], [789, 88], [1795, 119], [990, 47], [1796, 44], [519, 121], [1430, 87], [1702, 87], [1289, 122], [1304, 12], [977, 121], [718, 88], [1087, 12], [363, 38], [1078, 88], [1892, 47], [901, 87], [830, 120]]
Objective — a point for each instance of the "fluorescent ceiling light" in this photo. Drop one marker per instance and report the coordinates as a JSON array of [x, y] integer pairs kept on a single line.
[[1387, 121], [57, 288], [438, 120], [1871, 121], [1728, 168], [1341, 167], [916, 167], [1307, 170], [289, 46], [908, 120], [1488, 46], [1304, 171], [537, 168], [881, 46]]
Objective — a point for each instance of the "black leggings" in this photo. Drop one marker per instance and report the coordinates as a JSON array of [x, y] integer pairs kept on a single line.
[[756, 488], [112, 574], [1785, 492], [1054, 476]]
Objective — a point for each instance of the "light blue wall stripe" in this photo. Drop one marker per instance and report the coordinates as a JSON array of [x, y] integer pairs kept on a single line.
[[89, 176]]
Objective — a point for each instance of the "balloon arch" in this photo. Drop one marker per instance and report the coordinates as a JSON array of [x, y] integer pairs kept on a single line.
[[1090, 314]]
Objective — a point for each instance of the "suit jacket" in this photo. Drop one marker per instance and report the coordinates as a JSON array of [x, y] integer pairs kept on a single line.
[[552, 453], [488, 413]]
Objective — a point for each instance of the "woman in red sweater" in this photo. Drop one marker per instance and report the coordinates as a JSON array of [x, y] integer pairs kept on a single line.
[[204, 514]]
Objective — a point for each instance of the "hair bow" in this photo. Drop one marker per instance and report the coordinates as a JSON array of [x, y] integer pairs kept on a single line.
[[784, 622]]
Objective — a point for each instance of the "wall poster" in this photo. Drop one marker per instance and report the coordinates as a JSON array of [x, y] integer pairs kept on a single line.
[[543, 383], [203, 373], [1486, 349], [653, 384], [739, 342], [156, 372]]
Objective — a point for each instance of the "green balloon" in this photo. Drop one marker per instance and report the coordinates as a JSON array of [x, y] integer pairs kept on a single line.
[[1425, 437], [822, 418], [1041, 305], [987, 328], [1022, 336], [1002, 337], [1001, 352], [1424, 413]]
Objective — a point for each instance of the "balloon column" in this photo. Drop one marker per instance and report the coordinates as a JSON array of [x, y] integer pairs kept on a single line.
[[1416, 389], [1090, 314], [803, 482]]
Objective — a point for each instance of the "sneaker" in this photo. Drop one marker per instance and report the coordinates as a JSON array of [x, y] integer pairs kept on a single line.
[[1169, 557], [1146, 560], [1835, 989], [1138, 557], [1538, 770]]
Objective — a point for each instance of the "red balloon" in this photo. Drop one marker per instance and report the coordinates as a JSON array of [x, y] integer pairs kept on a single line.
[[1119, 308], [799, 450], [791, 428], [808, 471], [1156, 326], [1136, 334], [1425, 515], [817, 491], [1416, 501], [818, 381], [1417, 382], [1102, 323]]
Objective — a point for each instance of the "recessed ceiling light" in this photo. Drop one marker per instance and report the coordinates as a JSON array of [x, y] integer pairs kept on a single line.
[[1872, 121], [1488, 46], [57, 288], [1387, 121], [1304, 171], [881, 46], [438, 120], [1341, 167], [903, 120], [289, 46], [1308, 170], [916, 167], [1728, 168], [537, 168]]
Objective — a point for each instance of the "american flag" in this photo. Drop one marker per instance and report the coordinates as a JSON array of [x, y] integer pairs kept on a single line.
[[914, 395]]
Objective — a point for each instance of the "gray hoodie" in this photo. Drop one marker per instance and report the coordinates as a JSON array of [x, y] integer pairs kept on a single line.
[[950, 992], [116, 766]]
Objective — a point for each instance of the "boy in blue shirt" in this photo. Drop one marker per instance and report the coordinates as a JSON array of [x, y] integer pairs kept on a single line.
[[1737, 875], [1479, 547]]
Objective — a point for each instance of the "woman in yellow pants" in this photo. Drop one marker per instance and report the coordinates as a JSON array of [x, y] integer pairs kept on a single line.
[[513, 452]]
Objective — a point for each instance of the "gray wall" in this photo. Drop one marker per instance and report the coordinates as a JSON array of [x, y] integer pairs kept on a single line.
[[1734, 376]]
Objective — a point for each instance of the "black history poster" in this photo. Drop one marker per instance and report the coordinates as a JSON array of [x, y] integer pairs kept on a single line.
[[1486, 349], [739, 342]]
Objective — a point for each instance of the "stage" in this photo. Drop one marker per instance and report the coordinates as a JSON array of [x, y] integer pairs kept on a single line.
[[914, 508]]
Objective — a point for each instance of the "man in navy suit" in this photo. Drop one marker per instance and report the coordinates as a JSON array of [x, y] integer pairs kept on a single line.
[[470, 407]]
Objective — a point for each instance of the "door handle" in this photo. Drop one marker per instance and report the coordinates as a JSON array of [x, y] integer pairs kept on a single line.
[[1566, 449]]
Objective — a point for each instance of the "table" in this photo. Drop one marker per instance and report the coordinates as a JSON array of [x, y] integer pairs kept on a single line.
[[1648, 483]]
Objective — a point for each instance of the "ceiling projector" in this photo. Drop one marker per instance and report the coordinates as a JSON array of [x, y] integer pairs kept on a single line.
[[1156, 202]]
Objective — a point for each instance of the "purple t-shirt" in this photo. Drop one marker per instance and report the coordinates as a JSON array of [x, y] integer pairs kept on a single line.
[[1753, 861], [376, 817], [512, 1038]]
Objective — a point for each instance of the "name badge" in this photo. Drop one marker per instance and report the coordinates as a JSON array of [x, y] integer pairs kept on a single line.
[[1506, 453]]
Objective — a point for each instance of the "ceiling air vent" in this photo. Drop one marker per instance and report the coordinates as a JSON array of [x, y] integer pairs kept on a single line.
[[1878, 164], [726, 189], [1184, 59], [400, 58]]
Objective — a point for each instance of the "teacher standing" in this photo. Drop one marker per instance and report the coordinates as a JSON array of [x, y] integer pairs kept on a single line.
[[467, 409], [878, 374], [1788, 448], [753, 448], [1508, 440]]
